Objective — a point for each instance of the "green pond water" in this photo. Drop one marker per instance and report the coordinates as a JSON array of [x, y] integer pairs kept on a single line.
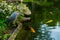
[[45, 32]]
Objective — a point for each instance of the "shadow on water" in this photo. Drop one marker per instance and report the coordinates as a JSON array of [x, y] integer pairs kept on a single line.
[[48, 32]]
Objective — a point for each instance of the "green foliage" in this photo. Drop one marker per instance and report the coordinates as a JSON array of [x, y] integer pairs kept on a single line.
[[6, 10], [44, 3], [5, 36], [41, 2], [27, 0], [2, 25]]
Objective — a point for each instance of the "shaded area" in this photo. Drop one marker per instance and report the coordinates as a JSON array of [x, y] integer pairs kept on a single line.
[[23, 35], [41, 13]]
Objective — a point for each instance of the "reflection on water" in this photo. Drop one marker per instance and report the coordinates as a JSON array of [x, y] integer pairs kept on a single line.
[[48, 33], [55, 33]]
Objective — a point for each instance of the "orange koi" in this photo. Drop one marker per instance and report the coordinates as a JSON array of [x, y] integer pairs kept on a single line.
[[32, 30]]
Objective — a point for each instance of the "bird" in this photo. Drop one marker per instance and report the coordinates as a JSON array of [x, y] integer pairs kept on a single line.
[[13, 17], [11, 20]]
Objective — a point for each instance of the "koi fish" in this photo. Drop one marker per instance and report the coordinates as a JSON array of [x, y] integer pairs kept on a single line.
[[49, 21], [32, 30]]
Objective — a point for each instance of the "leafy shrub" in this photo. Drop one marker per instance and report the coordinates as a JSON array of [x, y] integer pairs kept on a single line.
[[5, 11]]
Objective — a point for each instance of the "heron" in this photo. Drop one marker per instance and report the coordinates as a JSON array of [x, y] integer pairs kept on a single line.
[[11, 20], [13, 17]]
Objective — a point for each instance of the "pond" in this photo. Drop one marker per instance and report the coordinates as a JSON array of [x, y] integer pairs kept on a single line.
[[48, 32]]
